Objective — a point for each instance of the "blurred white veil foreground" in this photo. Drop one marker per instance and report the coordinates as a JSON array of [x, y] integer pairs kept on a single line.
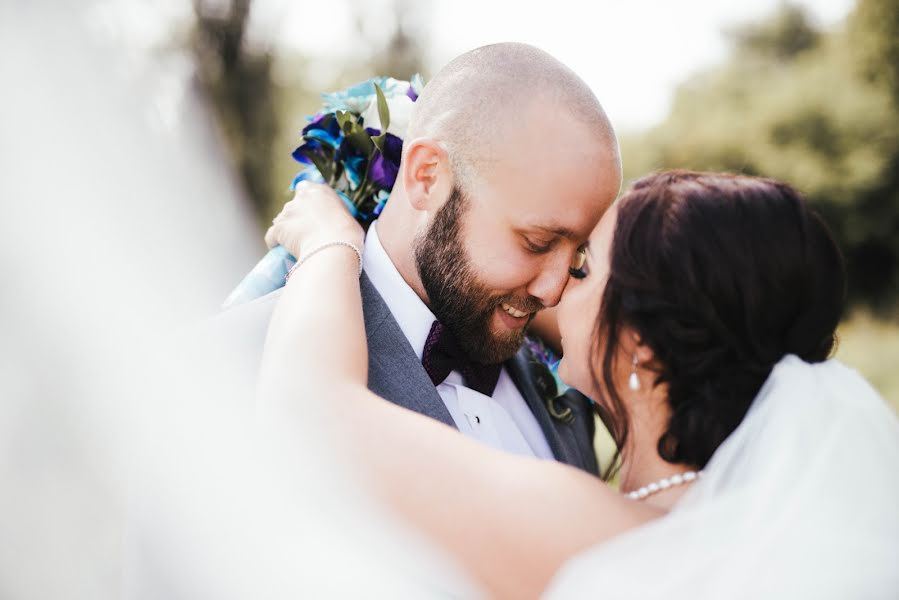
[[127, 468], [799, 502]]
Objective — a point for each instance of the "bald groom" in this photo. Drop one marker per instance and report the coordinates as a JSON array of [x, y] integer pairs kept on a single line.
[[508, 164]]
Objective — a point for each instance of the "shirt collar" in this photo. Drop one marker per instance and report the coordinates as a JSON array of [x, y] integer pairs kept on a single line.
[[412, 315]]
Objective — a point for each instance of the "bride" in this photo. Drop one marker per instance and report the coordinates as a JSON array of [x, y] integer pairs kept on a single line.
[[699, 317]]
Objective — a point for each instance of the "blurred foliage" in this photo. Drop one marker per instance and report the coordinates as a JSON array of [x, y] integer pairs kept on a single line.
[[237, 82], [818, 109], [399, 53], [871, 345]]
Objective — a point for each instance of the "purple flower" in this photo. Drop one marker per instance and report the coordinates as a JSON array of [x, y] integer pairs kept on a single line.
[[385, 167], [323, 130], [411, 93]]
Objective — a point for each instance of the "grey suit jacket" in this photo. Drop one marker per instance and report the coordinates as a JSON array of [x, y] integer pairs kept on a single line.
[[395, 373]]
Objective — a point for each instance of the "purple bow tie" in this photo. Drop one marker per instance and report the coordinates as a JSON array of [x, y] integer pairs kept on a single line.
[[442, 355]]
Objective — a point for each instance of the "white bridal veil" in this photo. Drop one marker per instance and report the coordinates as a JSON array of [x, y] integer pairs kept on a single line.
[[127, 468], [801, 501]]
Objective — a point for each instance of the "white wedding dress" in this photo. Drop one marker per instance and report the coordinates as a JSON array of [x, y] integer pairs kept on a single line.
[[801, 501]]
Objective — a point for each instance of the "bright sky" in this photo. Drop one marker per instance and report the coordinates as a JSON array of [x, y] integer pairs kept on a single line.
[[631, 52]]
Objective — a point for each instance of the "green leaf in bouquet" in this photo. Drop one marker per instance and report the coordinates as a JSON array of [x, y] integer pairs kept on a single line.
[[329, 153], [360, 191], [324, 166], [378, 141], [383, 109], [343, 118], [360, 141], [338, 172]]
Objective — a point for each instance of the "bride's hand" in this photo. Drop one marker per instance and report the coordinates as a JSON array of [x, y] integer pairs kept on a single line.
[[315, 216]]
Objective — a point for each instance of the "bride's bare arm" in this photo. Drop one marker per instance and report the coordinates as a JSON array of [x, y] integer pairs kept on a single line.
[[510, 521]]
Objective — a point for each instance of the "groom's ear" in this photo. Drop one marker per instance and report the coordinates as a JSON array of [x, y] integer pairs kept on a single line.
[[427, 178]]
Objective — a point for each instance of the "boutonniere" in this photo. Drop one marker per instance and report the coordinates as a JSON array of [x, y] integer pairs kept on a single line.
[[545, 365]]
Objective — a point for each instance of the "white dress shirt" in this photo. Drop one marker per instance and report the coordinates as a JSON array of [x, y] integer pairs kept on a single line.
[[503, 421]]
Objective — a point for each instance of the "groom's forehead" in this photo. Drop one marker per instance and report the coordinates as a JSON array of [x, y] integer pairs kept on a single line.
[[560, 194], [551, 219], [566, 206]]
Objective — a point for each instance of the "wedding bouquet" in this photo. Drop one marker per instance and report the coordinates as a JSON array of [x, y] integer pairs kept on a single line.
[[354, 144]]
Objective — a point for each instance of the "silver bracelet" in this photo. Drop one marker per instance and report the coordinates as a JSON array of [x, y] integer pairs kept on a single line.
[[309, 255]]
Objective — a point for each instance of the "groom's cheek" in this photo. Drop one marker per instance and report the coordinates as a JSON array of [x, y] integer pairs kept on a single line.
[[497, 257], [511, 276], [503, 272]]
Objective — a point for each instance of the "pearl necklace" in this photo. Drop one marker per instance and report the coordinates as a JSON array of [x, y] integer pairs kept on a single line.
[[664, 484]]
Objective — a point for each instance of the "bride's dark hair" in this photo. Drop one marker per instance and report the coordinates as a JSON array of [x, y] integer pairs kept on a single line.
[[721, 276]]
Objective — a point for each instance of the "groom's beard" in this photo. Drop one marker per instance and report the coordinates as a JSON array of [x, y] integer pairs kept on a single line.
[[457, 298]]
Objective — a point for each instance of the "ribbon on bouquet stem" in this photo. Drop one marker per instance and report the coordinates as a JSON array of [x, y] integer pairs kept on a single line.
[[267, 276]]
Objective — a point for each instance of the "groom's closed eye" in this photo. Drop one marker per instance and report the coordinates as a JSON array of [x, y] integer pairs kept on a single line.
[[538, 246]]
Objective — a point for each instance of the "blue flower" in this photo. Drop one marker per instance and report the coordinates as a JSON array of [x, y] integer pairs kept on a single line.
[[308, 174], [356, 97], [326, 130], [322, 131], [380, 200], [353, 166], [298, 155]]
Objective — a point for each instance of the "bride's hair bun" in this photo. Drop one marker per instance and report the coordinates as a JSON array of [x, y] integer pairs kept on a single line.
[[722, 276]]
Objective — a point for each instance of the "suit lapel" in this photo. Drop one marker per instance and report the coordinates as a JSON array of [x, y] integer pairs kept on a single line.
[[394, 371], [560, 436]]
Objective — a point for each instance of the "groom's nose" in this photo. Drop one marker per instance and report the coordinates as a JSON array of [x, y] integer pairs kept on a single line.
[[550, 282]]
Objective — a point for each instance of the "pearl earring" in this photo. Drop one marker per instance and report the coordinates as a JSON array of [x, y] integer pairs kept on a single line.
[[633, 381]]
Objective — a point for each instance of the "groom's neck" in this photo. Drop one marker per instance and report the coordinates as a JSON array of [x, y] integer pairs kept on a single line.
[[397, 238]]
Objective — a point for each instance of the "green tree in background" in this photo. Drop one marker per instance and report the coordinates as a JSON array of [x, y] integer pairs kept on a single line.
[[817, 109], [236, 80]]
